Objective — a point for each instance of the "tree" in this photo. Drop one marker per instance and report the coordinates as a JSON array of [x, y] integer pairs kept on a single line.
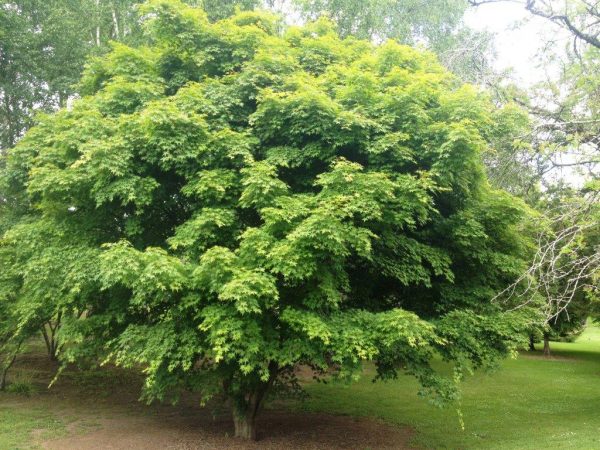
[[564, 270], [225, 204], [407, 21], [220, 9], [565, 107], [43, 47], [578, 17], [564, 150]]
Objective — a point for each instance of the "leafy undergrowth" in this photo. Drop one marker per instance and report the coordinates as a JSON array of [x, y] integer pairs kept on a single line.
[[531, 403]]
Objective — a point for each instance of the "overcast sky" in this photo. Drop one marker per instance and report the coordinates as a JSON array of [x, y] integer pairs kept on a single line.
[[519, 37]]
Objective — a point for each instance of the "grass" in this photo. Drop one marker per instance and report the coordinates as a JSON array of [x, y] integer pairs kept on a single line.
[[18, 426], [31, 414], [531, 403]]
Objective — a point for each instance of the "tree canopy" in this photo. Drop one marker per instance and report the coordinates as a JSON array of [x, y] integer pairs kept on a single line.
[[227, 202]]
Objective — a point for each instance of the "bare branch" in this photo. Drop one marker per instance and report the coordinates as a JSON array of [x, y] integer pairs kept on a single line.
[[562, 265]]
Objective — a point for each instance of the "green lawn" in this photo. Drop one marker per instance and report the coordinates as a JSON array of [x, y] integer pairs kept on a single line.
[[531, 403]]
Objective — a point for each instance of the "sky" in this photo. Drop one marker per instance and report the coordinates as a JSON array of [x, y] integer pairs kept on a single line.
[[519, 36]]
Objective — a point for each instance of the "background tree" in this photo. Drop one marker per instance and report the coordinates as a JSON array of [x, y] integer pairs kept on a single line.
[[437, 24], [565, 107], [563, 155], [564, 270], [43, 47], [376, 19], [221, 9]]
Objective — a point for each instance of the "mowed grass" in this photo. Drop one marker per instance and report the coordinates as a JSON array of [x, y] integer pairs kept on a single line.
[[530, 403]]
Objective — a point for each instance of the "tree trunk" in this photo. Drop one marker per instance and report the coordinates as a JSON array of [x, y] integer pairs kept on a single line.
[[531, 343], [49, 330], [49, 344], [3, 379], [98, 18], [546, 344], [245, 409], [247, 403], [245, 424], [116, 33], [9, 363]]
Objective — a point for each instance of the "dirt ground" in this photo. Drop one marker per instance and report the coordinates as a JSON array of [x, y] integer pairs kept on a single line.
[[102, 412], [278, 430]]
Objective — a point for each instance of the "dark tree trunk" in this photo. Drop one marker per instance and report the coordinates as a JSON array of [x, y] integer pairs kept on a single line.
[[245, 424], [531, 343], [49, 330], [5, 370], [245, 410], [50, 347], [246, 405], [546, 344], [6, 367]]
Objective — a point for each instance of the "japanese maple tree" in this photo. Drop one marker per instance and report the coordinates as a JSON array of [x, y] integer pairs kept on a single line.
[[234, 199]]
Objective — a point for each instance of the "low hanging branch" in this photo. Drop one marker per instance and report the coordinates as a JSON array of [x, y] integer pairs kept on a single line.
[[7, 362]]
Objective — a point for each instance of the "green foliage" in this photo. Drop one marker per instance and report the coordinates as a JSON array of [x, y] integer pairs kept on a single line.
[[225, 203], [220, 9], [405, 20], [436, 24], [21, 387], [43, 48]]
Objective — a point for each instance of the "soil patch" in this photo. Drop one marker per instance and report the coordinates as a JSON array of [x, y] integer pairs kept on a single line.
[[542, 357], [100, 411], [277, 430]]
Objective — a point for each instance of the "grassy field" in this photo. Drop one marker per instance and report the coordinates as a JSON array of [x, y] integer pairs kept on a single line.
[[531, 403]]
